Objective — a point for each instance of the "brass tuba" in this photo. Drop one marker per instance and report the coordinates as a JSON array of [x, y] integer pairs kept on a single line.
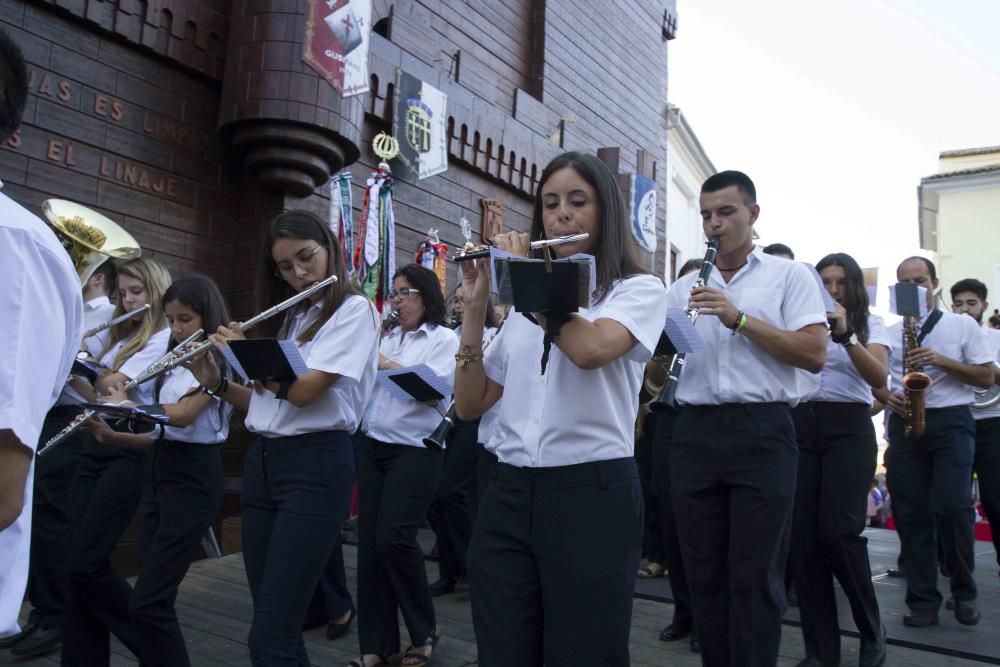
[[89, 237], [987, 398], [915, 383]]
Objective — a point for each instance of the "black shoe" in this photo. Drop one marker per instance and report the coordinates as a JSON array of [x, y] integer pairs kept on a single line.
[[917, 619], [695, 643], [338, 630], [25, 632], [809, 662], [41, 641], [895, 572], [966, 612], [949, 604], [443, 586], [793, 597], [873, 650], [674, 631]]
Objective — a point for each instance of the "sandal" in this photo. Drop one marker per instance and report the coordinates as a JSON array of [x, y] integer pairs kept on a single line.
[[414, 655], [652, 570], [387, 659]]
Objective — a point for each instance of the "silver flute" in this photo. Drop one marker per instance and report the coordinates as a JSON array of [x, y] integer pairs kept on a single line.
[[75, 425], [118, 320], [535, 245], [165, 365]]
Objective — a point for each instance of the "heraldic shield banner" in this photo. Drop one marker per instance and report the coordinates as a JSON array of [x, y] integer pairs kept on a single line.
[[336, 42], [642, 211], [419, 127]]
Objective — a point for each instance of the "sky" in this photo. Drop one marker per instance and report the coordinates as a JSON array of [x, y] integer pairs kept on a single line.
[[837, 108]]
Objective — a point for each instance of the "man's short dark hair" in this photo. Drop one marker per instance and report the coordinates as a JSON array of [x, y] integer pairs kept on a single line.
[[969, 285], [110, 273], [928, 263], [779, 249], [726, 179], [13, 86]]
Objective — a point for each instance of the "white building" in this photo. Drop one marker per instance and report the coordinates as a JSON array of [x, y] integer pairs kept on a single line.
[[687, 168]]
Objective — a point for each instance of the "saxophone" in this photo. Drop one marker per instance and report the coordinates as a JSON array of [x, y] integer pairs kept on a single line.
[[915, 383]]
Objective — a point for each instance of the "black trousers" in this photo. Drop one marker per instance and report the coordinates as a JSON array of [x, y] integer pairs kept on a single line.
[[296, 494], [485, 465], [50, 521], [552, 564], [663, 434], [837, 452], [931, 483], [396, 484], [987, 466], [181, 498], [453, 509], [732, 472], [102, 500], [652, 534]]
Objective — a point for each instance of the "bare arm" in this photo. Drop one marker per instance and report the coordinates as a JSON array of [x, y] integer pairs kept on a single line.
[[872, 362], [474, 392], [15, 462], [977, 375], [804, 348], [591, 345]]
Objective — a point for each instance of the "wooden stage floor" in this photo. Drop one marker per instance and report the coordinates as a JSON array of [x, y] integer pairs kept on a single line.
[[215, 610]]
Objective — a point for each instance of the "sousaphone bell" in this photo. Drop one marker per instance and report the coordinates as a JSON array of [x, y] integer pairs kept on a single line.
[[89, 237]]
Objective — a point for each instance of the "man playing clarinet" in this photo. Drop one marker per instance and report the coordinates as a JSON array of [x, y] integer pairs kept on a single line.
[[734, 456]]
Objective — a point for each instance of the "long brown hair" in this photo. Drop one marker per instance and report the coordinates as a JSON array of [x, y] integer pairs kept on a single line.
[[155, 279], [272, 290], [615, 250]]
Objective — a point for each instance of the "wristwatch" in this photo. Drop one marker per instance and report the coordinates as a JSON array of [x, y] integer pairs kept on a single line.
[[851, 340]]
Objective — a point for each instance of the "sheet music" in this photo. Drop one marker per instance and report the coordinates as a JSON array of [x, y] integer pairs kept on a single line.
[[441, 385], [234, 362], [294, 357], [682, 333], [906, 296], [501, 284]]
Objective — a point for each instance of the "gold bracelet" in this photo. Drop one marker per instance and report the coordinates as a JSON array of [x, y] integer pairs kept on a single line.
[[651, 388], [461, 359]]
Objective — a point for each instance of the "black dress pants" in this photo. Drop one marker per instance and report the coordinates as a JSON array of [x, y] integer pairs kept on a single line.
[[836, 463], [552, 565], [296, 495], [652, 534], [396, 484], [50, 523], [931, 483], [732, 473], [453, 509], [663, 430], [987, 466], [485, 464], [181, 498], [104, 496]]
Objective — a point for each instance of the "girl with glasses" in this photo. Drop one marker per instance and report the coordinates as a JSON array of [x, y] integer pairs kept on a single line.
[[397, 478], [298, 476]]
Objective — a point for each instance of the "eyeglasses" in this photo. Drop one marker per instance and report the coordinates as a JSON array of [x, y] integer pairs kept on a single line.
[[403, 292], [302, 260], [457, 300]]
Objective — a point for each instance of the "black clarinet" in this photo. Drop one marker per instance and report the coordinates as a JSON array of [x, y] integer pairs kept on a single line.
[[667, 400], [440, 435]]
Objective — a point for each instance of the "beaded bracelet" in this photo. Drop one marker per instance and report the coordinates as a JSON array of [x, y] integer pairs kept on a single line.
[[741, 321], [461, 359]]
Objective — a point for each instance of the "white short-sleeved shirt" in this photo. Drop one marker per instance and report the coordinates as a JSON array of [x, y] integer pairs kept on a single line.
[[955, 336], [97, 311], [41, 315], [569, 415], [993, 343], [733, 369], [210, 427], [488, 422], [389, 419], [347, 345], [141, 359], [840, 380]]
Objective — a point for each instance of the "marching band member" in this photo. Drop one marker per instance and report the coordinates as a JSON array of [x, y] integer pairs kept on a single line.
[[453, 510], [564, 440], [397, 478], [40, 326], [733, 456], [682, 623], [930, 476], [184, 480], [108, 482], [968, 297], [837, 450], [47, 584], [298, 475]]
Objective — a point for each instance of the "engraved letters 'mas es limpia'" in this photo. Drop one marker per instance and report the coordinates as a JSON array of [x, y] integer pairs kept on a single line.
[[336, 42]]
